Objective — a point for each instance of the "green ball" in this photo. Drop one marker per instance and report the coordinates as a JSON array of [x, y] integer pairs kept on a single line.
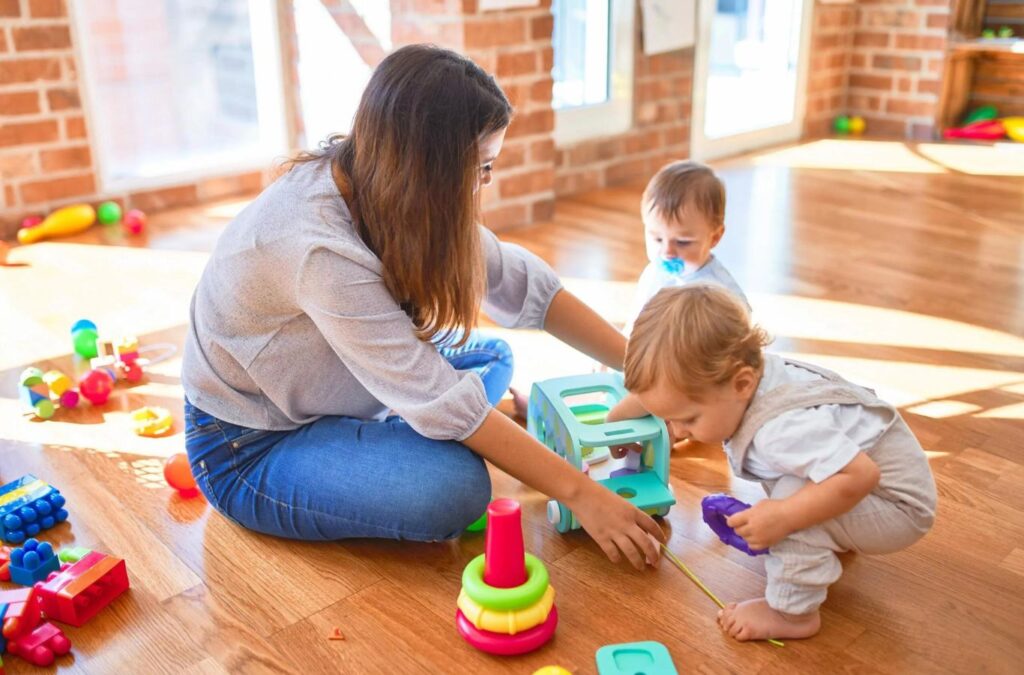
[[108, 212], [842, 124], [84, 340]]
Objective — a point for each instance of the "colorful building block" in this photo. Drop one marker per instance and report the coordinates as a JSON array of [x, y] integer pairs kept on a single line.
[[33, 562], [73, 555], [27, 507], [34, 393], [21, 612], [41, 644], [649, 658], [5, 560], [79, 591]]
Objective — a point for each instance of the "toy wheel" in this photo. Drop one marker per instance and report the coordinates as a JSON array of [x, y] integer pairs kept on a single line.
[[663, 511], [559, 516]]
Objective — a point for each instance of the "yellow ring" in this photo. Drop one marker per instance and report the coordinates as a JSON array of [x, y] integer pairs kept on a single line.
[[507, 622], [152, 421]]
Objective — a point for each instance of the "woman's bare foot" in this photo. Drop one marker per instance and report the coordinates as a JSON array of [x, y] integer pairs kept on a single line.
[[755, 620]]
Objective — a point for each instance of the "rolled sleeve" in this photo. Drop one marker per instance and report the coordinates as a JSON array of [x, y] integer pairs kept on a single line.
[[520, 286], [350, 305]]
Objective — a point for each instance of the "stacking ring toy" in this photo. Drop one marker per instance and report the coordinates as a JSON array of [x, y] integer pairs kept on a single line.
[[507, 645], [509, 599], [152, 421], [508, 623], [716, 509]]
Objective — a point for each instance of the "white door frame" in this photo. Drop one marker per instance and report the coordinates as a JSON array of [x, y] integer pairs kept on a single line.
[[703, 148]]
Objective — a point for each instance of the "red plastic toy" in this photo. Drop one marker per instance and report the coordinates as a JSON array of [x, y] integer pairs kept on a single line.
[[78, 592], [23, 612], [96, 386], [41, 644], [178, 475], [5, 562], [134, 221], [982, 130]]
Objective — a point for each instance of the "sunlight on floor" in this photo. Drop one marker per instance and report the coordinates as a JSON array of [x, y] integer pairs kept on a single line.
[[1002, 159], [850, 155]]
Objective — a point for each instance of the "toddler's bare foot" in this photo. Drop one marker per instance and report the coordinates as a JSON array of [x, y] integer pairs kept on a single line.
[[520, 402], [755, 620]]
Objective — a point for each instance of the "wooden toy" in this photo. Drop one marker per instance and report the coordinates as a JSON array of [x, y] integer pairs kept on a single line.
[[27, 507], [649, 658], [60, 387], [61, 223], [506, 605], [96, 385], [34, 393], [121, 357], [556, 424], [84, 336], [32, 562], [77, 592], [152, 421]]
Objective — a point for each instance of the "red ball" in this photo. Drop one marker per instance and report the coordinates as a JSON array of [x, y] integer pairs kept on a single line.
[[130, 370], [96, 386], [178, 473], [31, 221], [134, 221]]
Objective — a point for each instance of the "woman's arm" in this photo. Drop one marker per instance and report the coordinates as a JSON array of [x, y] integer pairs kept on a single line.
[[771, 520], [577, 325], [615, 524]]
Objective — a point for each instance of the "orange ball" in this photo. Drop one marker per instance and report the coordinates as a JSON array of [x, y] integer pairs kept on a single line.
[[178, 473]]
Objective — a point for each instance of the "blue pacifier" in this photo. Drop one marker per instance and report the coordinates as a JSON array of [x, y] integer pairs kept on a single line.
[[673, 265]]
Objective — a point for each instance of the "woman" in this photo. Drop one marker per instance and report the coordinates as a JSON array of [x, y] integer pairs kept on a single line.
[[348, 288]]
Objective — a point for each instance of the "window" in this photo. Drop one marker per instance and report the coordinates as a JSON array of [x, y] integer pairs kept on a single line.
[[593, 68], [181, 88]]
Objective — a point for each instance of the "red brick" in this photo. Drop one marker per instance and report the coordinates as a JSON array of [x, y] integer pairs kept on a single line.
[[937, 20], [638, 143], [513, 154], [516, 63], [3, 40], [17, 165], [10, 8], [861, 102], [9, 196], [19, 103], [54, 189], [676, 135], [931, 43], [870, 39], [46, 9], [663, 64], [62, 99], [504, 217], [547, 59], [542, 27], [542, 152], [527, 124], [932, 3], [858, 60], [530, 182], [14, 71], [628, 170], [66, 158], [542, 210], [894, 62], [581, 181], [541, 90], [900, 106], [156, 200], [74, 127], [929, 86], [489, 32], [26, 133], [225, 186], [881, 126], [41, 37], [888, 18]]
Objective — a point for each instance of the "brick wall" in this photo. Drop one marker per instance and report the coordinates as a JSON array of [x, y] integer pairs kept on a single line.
[[896, 65], [47, 158], [828, 69]]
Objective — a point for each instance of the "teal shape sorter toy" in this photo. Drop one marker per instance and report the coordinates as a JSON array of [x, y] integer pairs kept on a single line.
[[567, 414]]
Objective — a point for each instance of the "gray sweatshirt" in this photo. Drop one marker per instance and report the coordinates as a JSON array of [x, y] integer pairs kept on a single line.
[[291, 321]]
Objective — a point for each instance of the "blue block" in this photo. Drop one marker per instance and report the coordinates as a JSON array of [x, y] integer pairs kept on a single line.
[[29, 506], [3, 613], [33, 562], [649, 658]]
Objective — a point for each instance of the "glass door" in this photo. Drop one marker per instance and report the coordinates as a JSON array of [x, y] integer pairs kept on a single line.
[[751, 63]]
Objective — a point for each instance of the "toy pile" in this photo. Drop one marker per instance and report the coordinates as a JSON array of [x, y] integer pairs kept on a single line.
[[68, 587], [984, 124], [70, 220]]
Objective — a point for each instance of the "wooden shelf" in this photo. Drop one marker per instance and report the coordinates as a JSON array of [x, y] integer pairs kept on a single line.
[[1002, 45]]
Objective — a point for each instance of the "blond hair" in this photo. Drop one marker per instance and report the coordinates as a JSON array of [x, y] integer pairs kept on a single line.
[[685, 182], [695, 337]]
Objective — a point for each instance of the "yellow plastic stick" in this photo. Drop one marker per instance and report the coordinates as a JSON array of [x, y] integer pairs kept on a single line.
[[707, 591]]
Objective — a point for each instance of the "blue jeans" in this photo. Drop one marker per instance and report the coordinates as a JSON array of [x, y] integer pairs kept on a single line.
[[342, 477]]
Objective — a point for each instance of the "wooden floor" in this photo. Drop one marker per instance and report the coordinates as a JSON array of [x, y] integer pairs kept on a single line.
[[901, 266]]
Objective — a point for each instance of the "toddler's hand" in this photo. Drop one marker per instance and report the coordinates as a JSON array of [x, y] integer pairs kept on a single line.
[[763, 525], [617, 526]]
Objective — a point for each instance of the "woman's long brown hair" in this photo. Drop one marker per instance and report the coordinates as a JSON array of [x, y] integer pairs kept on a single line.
[[409, 171]]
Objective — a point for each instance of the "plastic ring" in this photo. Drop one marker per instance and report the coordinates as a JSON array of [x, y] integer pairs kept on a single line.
[[519, 597], [507, 623], [507, 645]]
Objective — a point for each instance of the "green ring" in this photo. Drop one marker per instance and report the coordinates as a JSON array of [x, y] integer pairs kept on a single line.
[[505, 599]]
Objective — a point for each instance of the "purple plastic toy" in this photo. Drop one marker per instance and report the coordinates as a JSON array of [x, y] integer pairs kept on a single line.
[[716, 508]]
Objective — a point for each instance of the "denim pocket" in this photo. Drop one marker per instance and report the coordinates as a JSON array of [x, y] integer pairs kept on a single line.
[[248, 437]]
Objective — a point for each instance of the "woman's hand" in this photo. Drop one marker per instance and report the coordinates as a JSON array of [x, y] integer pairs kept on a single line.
[[763, 525], [618, 527]]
